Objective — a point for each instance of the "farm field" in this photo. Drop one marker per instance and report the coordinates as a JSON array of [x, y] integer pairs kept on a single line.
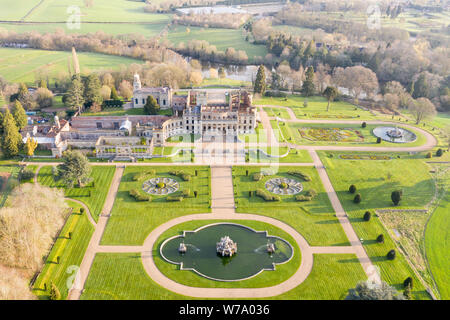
[[190, 278], [375, 180], [131, 221], [313, 219], [92, 195], [22, 65]]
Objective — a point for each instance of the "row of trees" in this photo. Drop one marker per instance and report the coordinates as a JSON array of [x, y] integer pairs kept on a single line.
[[226, 20]]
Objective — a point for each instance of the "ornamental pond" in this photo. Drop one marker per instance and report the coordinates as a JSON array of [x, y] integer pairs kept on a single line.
[[255, 252]]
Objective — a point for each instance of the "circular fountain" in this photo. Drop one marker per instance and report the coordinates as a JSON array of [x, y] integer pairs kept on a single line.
[[394, 134], [160, 186]]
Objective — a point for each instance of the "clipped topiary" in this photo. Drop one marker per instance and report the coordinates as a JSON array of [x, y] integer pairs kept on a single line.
[[380, 238], [396, 196], [408, 282], [363, 125], [357, 198], [391, 254], [439, 152], [378, 140], [352, 189], [428, 155], [367, 216]]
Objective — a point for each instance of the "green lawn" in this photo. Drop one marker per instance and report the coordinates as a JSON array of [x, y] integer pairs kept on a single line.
[[221, 38], [22, 65], [294, 156], [265, 279], [276, 112], [121, 276], [317, 108], [313, 219], [70, 251], [132, 221], [114, 112], [93, 196], [15, 10], [375, 180]]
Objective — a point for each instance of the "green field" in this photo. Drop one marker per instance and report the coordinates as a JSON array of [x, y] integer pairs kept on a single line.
[[265, 279], [314, 219], [132, 221], [71, 252], [221, 38], [22, 65], [93, 196], [375, 180]]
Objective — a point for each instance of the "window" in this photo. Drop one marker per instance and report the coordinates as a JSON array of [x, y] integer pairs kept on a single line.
[[143, 101], [99, 125], [116, 125], [136, 101], [164, 102]]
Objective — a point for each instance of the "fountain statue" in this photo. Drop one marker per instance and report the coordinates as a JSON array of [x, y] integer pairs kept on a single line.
[[394, 133], [270, 247], [182, 248], [226, 247]]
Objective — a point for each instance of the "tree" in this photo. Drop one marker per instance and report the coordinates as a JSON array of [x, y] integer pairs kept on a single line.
[[357, 198], [422, 109], [396, 196], [75, 99], [74, 169], [367, 216], [43, 97], [222, 73], [380, 238], [125, 89], [92, 88], [105, 92], [308, 88], [54, 292], [213, 74], [25, 97], [408, 282], [391, 254], [330, 93], [11, 138], [151, 106], [19, 115], [196, 78], [260, 82], [373, 291], [42, 84], [421, 88], [114, 95], [30, 146], [352, 188]]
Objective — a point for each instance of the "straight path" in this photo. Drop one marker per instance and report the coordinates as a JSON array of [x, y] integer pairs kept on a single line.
[[93, 247], [222, 191]]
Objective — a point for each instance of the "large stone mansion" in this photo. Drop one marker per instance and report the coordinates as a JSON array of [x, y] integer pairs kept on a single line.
[[200, 112]]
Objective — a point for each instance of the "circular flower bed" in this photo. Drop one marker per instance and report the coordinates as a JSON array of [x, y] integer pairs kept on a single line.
[[284, 186], [160, 186]]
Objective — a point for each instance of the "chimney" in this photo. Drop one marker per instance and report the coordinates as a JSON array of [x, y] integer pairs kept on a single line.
[[57, 122]]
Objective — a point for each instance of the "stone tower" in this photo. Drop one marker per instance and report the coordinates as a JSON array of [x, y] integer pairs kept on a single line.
[[136, 82]]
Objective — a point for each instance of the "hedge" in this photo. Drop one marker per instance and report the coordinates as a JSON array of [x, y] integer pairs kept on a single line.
[[143, 174], [174, 199], [266, 196], [181, 174], [137, 196], [300, 175]]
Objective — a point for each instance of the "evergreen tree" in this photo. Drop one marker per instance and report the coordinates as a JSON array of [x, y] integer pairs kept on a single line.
[[330, 93], [421, 88], [114, 95], [260, 82], [310, 49], [92, 88], [30, 146], [74, 95], [11, 138], [151, 106], [74, 169], [308, 88], [20, 117], [25, 97]]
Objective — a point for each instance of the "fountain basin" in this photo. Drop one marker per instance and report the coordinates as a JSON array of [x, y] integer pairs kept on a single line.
[[394, 134]]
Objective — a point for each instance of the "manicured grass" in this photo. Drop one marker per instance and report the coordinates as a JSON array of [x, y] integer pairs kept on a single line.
[[317, 108], [294, 156], [259, 136], [331, 277], [114, 112], [21, 65], [93, 196], [437, 241], [375, 180], [221, 38], [16, 10], [313, 219], [277, 112], [30, 168], [291, 133], [132, 221], [225, 82], [265, 279], [71, 252], [121, 276]]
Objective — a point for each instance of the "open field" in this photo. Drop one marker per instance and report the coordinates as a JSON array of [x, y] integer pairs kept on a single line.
[[313, 219], [22, 65], [221, 38], [93, 196], [71, 252], [317, 108], [132, 221], [375, 180], [265, 279]]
